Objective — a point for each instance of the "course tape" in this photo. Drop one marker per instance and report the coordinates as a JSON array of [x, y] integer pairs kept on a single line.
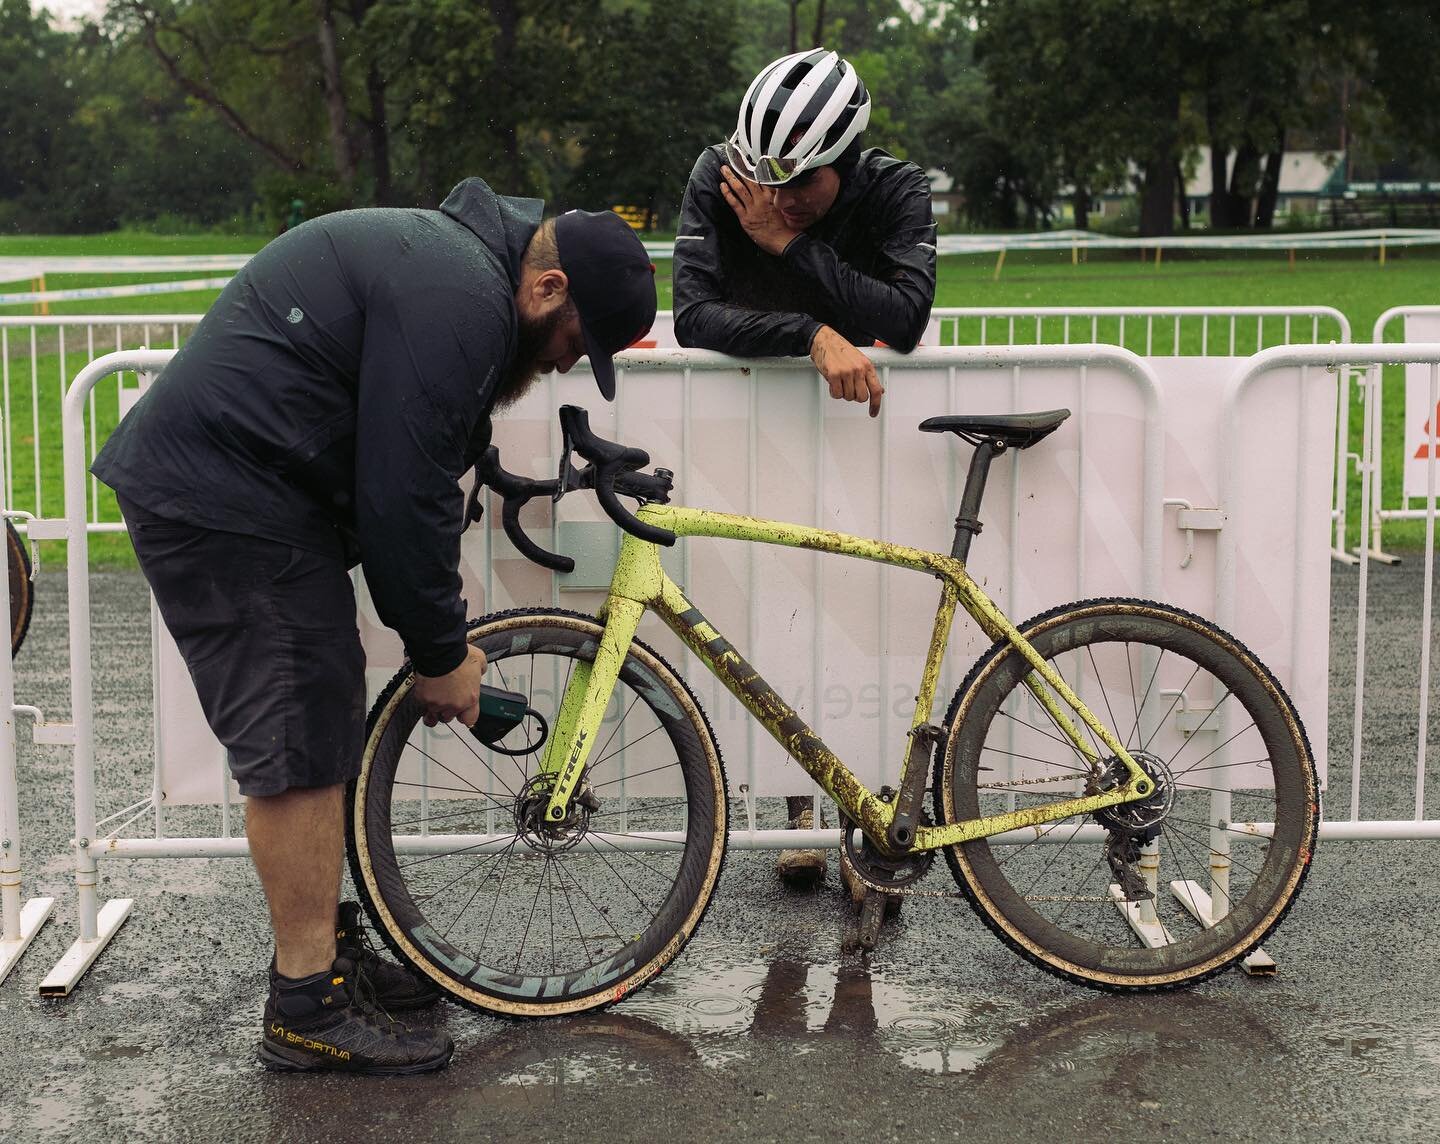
[[29, 268], [133, 290]]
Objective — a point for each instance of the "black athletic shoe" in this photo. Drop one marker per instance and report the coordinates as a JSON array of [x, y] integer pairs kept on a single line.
[[393, 987], [322, 1023]]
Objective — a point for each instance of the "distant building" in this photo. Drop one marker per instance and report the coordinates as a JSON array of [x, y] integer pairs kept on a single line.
[[1308, 180], [944, 198]]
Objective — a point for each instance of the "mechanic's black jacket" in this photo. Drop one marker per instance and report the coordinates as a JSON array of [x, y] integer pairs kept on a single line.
[[335, 393], [867, 269]]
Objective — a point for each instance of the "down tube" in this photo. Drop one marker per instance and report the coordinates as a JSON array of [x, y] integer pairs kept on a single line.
[[796, 736]]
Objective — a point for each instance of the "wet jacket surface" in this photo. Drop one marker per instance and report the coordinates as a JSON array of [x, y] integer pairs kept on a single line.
[[335, 393], [867, 269]]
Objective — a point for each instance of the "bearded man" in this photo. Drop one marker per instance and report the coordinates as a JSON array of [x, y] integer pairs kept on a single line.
[[322, 415]]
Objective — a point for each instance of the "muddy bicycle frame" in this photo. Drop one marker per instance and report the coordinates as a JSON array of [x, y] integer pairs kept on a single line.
[[640, 583]]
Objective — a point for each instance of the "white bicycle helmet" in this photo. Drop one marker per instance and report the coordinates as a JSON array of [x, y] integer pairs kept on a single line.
[[800, 113]]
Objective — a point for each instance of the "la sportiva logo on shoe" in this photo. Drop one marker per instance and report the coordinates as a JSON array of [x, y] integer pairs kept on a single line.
[[280, 1033]]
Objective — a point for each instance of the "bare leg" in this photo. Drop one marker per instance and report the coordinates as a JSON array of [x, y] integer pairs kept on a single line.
[[297, 841]]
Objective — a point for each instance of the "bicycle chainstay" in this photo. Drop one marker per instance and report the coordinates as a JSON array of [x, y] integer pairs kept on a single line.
[[909, 892]]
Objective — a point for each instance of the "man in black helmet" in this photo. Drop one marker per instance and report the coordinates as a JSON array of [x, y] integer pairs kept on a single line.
[[793, 242], [322, 414]]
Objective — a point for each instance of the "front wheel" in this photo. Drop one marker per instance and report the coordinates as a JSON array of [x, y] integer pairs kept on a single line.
[[1111, 899], [506, 912]]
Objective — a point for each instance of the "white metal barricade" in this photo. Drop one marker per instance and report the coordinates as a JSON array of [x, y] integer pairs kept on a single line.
[[1371, 358], [1012, 365], [97, 923]]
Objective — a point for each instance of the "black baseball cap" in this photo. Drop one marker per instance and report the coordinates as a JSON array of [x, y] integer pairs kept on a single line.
[[612, 282]]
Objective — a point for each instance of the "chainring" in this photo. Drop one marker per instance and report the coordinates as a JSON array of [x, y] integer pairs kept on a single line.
[[881, 874]]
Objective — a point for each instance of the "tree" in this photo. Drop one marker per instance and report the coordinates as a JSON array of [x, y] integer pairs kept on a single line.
[[647, 124]]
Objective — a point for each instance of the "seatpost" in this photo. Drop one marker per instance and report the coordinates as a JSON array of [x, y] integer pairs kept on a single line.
[[967, 523]]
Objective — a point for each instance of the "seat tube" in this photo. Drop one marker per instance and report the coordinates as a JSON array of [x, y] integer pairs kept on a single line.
[[967, 522]]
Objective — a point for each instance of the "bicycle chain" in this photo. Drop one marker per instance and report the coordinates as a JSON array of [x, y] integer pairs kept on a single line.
[[893, 892]]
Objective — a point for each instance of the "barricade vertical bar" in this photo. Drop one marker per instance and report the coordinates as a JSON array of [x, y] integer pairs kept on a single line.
[[19, 922], [1434, 442], [89, 357], [1342, 464], [817, 636], [883, 723], [1302, 419], [96, 926], [35, 415], [5, 375], [1372, 384], [157, 790], [752, 479]]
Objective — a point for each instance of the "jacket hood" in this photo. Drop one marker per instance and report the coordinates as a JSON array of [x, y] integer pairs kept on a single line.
[[502, 223]]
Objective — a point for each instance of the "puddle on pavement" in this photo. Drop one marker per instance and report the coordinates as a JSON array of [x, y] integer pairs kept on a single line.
[[711, 1014], [825, 1007]]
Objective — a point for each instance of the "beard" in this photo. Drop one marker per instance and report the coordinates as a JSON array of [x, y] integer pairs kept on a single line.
[[531, 338]]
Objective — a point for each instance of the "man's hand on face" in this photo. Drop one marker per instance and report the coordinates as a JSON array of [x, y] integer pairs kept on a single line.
[[754, 206], [456, 695], [850, 373]]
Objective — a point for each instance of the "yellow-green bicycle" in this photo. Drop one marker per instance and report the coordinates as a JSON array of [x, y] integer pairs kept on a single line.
[[1086, 782]]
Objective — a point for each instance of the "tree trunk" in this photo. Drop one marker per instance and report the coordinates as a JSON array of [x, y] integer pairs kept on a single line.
[[1242, 181], [1224, 207], [335, 98], [1270, 185], [1182, 195], [507, 23], [794, 26], [1157, 192], [379, 137], [1081, 201], [818, 39]]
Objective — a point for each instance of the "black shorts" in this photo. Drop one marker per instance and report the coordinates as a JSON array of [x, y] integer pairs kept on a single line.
[[268, 632]]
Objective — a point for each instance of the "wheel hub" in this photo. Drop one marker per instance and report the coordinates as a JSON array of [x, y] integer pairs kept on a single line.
[[1139, 819], [545, 836]]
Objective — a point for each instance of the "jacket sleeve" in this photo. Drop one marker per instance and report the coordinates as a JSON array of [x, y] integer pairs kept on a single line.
[[704, 318], [893, 305], [422, 387]]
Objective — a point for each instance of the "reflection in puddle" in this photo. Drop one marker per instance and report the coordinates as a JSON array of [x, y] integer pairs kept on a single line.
[[847, 1005], [1384, 1050]]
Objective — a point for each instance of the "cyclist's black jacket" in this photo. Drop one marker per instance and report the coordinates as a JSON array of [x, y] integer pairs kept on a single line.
[[335, 393], [867, 269]]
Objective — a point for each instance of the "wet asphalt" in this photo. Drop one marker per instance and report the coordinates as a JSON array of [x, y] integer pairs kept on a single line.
[[765, 1028]]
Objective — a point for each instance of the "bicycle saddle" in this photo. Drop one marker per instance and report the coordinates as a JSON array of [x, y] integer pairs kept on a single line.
[[1011, 430]]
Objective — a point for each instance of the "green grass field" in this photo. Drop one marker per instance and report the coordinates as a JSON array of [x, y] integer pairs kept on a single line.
[[1354, 283]]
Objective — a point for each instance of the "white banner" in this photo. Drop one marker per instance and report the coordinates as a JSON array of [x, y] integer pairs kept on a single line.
[[844, 640]]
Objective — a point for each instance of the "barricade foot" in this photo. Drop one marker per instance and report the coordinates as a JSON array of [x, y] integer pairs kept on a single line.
[[1154, 934], [80, 956], [1376, 556], [32, 916], [1342, 557], [1197, 902]]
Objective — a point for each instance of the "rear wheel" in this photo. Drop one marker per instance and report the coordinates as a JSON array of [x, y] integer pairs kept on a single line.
[[473, 889], [1105, 898]]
